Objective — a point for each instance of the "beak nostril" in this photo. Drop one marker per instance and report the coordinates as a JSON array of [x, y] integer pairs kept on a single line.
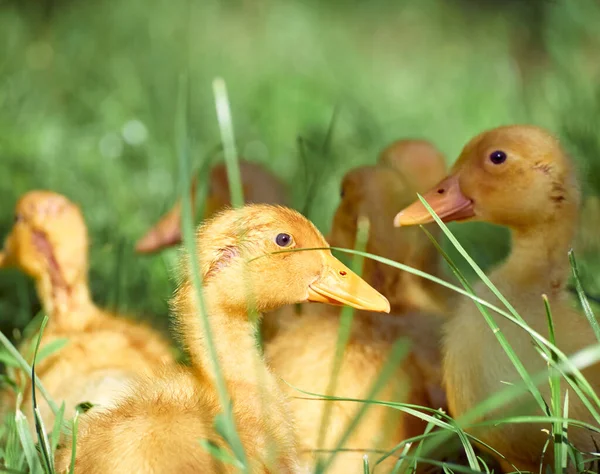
[[441, 191], [343, 273]]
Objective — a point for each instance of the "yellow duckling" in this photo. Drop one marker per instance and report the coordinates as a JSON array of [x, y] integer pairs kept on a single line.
[[258, 184], [519, 177], [49, 243], [158, 426], [302, 351]]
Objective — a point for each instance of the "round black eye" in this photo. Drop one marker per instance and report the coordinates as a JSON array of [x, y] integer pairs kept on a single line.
[[18, 218], [498, 157], [283, 240]]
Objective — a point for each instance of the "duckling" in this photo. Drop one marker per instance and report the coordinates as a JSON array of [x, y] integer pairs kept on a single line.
[[103, 352], [158, 426], [519, 177], [258, 184], [309, 339]]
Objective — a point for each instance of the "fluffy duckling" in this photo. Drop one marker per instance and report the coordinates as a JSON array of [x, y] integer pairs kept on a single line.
[[258, 184], [309, 339], [49, 243], [158, 426], [519, 177]]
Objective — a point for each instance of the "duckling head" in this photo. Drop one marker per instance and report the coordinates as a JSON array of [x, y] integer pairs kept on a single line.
[[259, 256], [48, 239], [517, 176], [417, 160], [374, 192]]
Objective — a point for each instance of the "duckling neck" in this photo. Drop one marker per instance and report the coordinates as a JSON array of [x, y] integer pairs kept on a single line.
[[233, 336], [68, 306], [539, 256]]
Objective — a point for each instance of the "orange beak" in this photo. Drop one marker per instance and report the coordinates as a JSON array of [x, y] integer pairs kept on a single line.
[[338, 285], [165, 233], [446, 199]]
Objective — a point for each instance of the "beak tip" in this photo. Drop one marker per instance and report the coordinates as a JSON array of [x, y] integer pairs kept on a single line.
[[398, 219]]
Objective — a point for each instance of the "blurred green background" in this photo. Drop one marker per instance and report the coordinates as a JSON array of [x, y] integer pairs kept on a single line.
[[88, 103]]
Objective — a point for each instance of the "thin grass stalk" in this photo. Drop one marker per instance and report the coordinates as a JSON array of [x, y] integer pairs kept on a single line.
[[57, 428], [237, 198], [413, 465], [31, 455], [564, 435], [398, 465], [40, 429], [227, 137], [74, 442], [554, 381], [24, 366], [344, 331], [195, 274], [587, 309]]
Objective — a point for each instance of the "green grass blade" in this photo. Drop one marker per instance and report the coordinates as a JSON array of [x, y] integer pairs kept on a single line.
[[31, 455], [227, 137], [344, 331], [402, 460], [51, 348], [419, 448], [195, 273], [58, 425], [23, 365], [8, 470], [220, 453], [13, 456], [554, 381], [366, 469], [237, 200], [74, 442], [562, 466], [40, 429], [587, 309]]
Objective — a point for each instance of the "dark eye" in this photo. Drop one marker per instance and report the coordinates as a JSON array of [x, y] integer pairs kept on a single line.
[[18, 218], [498, 157], [283, 240], [342, 193]]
